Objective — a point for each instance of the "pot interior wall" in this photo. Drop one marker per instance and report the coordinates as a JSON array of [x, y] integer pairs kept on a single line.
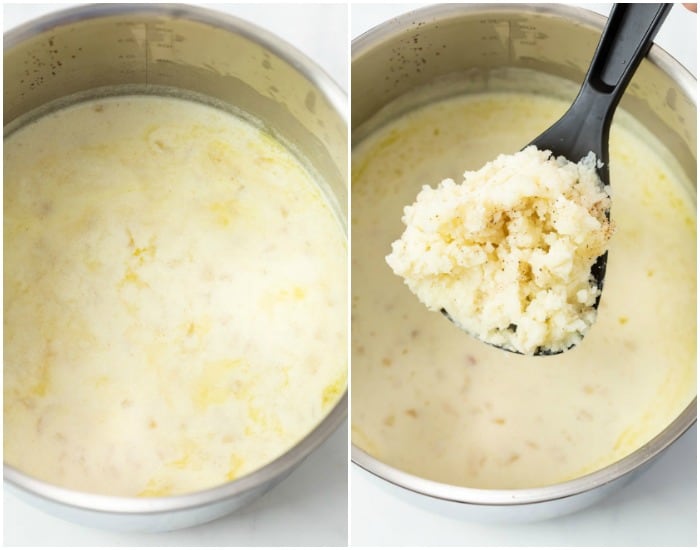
[[147, 49]]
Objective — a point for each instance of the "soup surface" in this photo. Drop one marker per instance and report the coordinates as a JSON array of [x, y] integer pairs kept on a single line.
[[432, 401], [175, 298]]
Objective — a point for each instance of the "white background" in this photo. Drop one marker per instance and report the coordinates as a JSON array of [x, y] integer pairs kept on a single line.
[[310, 506], [658, 509]]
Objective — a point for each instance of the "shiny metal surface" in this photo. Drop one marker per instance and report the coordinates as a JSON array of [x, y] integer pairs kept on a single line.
[[96, 49], [443, 50]]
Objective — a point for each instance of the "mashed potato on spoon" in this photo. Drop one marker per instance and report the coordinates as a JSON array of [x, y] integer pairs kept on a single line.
[[507, 254]]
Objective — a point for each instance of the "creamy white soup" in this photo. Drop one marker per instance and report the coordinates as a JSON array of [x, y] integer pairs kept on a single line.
[[432, 401], [174, 298]]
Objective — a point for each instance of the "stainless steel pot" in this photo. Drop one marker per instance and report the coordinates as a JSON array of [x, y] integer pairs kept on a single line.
[[444, 50], [103, 49]]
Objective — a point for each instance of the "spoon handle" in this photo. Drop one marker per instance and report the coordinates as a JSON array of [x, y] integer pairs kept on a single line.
[[626, 39]]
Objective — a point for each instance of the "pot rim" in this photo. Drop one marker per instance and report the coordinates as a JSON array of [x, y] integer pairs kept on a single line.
[[687, 418], [274, 470]]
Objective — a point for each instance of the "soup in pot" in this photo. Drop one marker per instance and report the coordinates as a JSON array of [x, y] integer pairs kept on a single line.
[[432, 401], [175, 297]]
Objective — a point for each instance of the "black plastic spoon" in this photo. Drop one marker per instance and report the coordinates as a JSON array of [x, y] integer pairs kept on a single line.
[[585, 127]]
